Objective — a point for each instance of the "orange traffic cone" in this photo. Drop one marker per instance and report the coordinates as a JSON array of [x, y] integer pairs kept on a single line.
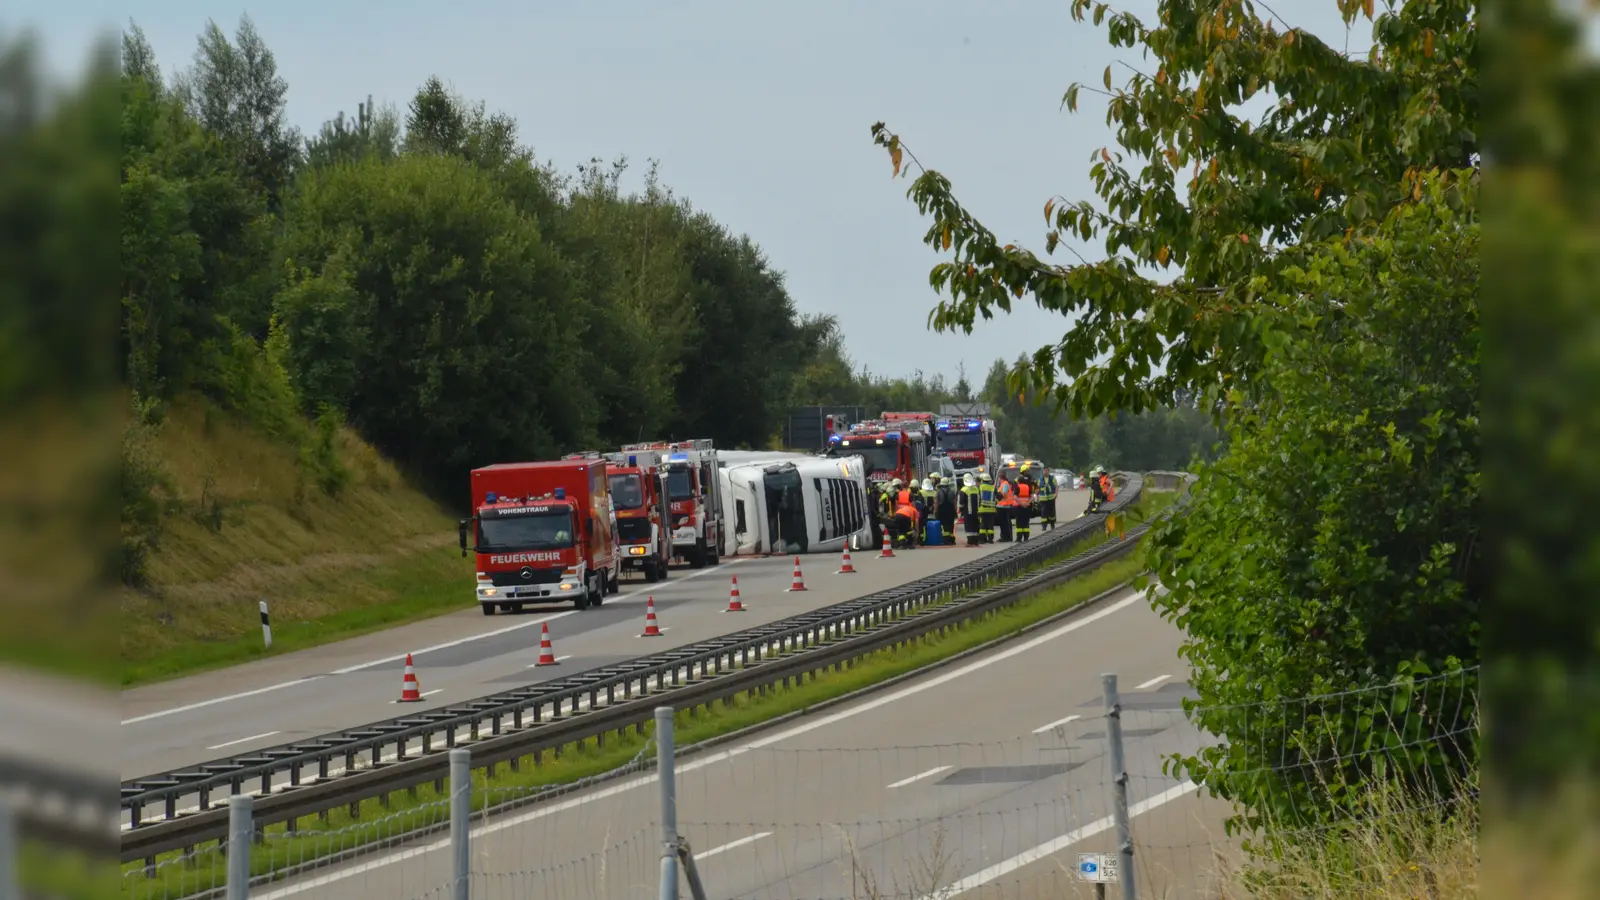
[[410, 688], [846, 568], [733, 597], [547, 653], [888, 547], [799, 584], [650, 628]]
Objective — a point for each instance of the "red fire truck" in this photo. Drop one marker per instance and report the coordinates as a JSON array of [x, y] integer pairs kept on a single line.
[[639, 495], [695, 494], [543, 532], [971, 444], [890, 449]]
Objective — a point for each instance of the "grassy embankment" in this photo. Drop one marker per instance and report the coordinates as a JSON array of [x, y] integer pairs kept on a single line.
[[382, 819], [247, 527]]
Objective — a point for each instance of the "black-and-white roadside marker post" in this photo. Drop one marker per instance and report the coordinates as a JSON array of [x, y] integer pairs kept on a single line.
[[266, 626]]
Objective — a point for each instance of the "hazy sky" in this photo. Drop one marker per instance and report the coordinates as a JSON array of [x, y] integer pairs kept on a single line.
[[758, 111]]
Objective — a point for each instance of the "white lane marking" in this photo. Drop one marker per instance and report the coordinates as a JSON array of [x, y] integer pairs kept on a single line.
[[1056, 724], [456, 643], [215, 700], [711, 759], [919, 776], [423, 694], [1052, 847], [244, 740], [1152, 682], [389, 659], [732, 844]]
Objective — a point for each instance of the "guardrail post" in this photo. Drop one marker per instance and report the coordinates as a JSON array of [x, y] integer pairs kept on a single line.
[[241, 835], [666, 776], [10, 839], [1119, 781], [461, 821]]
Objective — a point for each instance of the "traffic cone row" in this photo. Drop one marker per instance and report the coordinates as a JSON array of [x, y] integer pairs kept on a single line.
[[733, 597], [799, 583], [547, 653], [650, 627], [846, 568], [410, 688]]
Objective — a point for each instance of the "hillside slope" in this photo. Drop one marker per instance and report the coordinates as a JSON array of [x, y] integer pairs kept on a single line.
[[248, 523]]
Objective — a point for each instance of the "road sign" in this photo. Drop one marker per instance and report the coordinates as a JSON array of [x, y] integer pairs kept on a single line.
[[1100, 868]]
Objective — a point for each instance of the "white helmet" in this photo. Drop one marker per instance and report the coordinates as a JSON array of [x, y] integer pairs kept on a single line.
[[927, 484], [968, 480]]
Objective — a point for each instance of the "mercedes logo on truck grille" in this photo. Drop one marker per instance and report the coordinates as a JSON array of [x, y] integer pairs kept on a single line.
[[526, 572]]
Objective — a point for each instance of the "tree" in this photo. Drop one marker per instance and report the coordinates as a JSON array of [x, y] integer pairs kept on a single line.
[[1347, 140], [1343, 528], [373, 131]]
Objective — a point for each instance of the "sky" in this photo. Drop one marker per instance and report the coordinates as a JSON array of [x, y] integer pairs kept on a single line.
[[759, 113]]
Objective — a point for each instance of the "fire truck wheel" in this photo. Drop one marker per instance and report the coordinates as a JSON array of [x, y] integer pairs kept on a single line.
[[697, 558], [488, 608], [652, 571], [583, 597], [716, 555], [614, 585]]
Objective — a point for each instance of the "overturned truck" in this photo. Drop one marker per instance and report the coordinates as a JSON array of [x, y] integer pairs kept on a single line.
[[786, 503]]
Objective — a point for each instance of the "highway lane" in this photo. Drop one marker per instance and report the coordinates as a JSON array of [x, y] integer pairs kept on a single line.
[[968, 770], [464, 655]]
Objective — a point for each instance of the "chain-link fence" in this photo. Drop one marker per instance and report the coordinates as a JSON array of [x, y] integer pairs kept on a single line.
[[1087, 805]]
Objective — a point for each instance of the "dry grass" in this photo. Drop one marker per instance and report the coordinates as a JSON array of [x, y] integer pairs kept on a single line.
[[252, 526], [1401, 849]]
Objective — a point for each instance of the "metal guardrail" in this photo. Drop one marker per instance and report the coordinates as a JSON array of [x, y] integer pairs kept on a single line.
[[310, 777]]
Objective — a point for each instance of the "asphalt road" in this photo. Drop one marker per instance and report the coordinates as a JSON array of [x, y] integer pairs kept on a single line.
[[464, 655], [987, 777]]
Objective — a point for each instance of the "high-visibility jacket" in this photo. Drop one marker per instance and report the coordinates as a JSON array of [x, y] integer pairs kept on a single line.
[[969, 500], [1024, 495], [907, 510], [1006, 494], [986, 502], [1047, 488], [1105, 487], [905, 497]]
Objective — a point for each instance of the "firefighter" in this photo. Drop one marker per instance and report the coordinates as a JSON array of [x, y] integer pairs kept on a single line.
[[1006, 500], [905, 522], [1107, 490], [969, 510], [875, 503], [1024, 499], [946, 506], [1096, 490], [1047, 501], [986, 508]]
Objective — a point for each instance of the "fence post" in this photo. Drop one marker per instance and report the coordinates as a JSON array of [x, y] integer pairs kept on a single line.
[[241, 835], [1119, 790], [10, 850], [461, 821], [666, 777]]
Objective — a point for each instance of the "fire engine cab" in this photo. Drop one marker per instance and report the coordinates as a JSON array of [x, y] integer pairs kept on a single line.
[[694, 496]]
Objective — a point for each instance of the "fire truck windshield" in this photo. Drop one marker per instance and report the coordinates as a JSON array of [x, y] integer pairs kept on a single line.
[[961, 440], [679, 484], [878, 457], [535, 531], [627, 492]]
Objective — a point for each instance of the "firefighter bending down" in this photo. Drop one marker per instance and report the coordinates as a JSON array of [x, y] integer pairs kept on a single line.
[[906, 522], [970, 504]]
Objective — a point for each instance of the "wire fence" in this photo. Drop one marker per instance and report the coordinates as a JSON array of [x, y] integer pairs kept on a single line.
[[1083, 804]]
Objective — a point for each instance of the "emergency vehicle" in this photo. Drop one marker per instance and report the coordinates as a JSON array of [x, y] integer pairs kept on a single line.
[[543, 532], [639, 496], [889, 449], [695, 496], [970, 443]]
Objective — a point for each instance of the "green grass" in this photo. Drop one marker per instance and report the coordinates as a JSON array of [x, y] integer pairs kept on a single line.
[[378, 819], [248, 525]]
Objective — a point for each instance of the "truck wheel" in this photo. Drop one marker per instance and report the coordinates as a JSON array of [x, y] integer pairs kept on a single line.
[[488, 608], [614, 584], [584, 597], [697, 556], [716, 553], [652, 571], [598, 596]]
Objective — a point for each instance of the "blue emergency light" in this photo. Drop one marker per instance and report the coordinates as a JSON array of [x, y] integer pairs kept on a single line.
[[561, 493], [633, 461], [678, 457], [942, 425], [491, 497]]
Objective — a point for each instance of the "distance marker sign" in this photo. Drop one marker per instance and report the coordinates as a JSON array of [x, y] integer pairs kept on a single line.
[[1100, 868]]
